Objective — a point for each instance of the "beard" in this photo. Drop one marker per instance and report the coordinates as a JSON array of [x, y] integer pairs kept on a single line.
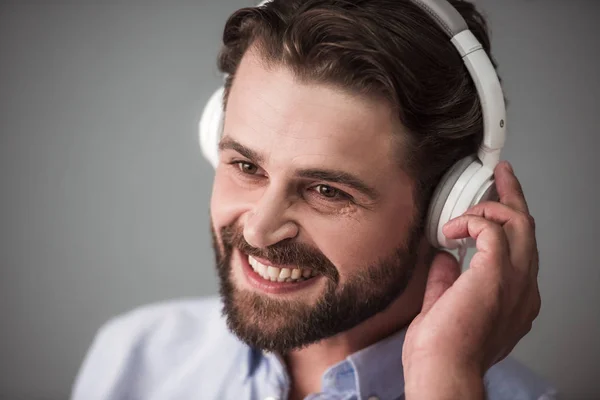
[[282, 325]]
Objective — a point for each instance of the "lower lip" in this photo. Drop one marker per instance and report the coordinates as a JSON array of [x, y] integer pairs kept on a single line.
[[260, 283]]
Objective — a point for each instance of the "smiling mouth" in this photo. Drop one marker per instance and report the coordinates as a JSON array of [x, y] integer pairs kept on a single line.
[[277, 274]]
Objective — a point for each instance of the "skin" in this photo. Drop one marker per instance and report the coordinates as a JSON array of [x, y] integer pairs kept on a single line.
[[292, 126], [496, 300]]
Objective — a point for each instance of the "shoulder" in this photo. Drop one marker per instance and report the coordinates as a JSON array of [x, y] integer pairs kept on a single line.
[[168, 321], [144, 349], [511, 380]]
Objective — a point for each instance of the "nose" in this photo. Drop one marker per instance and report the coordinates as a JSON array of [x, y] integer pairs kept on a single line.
[[269, 221]]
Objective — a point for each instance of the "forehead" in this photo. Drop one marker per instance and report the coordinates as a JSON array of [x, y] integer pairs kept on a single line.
[[271, 111]]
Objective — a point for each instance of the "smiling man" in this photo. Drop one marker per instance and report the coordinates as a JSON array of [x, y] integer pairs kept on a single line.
[[340, 118]]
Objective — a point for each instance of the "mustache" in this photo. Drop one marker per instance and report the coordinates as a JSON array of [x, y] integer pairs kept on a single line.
[[286, 252]]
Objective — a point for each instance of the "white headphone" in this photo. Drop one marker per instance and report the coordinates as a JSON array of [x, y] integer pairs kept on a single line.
[[469, 181]]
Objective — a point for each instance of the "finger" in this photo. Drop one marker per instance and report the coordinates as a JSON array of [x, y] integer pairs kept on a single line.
[[444, 271], [535, 270], [497, 212], [509, 188], [517, 226], [489, 237]]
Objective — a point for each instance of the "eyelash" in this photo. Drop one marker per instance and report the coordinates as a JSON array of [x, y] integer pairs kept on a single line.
[[340, 196]]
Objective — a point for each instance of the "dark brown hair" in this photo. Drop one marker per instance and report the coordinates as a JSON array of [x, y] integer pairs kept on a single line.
[[386, 48]]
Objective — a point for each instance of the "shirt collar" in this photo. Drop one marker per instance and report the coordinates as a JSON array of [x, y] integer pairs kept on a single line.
[[254, 357], [378, 368]]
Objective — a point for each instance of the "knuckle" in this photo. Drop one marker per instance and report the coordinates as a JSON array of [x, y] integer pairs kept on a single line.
[[486, 204], [537, 305], [495, 228], [528, 327], [531, 220], [535, 308], [524, 222]]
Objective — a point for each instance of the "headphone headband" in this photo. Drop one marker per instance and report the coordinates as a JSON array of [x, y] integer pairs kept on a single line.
[[482, 72], [445, 15]]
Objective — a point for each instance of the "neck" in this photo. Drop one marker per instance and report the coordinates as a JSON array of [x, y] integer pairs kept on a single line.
[[307, 366]]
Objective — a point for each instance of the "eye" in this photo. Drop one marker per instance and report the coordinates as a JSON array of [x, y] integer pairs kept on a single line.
[[247, 168], [326, 191], [331, 192]]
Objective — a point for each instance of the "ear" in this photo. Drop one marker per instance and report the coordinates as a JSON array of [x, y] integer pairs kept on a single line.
[[444, 271]]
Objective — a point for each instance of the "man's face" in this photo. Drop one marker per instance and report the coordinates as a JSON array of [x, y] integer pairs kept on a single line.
[[312, 216]]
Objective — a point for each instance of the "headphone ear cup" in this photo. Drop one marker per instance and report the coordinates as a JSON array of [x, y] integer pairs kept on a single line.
[[210, 127], [440, 197], [468, 183]]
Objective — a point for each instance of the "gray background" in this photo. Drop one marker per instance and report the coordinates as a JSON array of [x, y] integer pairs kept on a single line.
[[104, 194]]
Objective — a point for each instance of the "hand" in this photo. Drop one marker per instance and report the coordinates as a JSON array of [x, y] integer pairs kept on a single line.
[[471, 321]]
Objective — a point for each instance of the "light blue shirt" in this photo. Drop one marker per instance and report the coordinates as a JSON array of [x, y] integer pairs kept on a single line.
[[183, 350]]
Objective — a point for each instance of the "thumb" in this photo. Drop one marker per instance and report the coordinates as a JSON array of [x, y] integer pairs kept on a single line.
[[444, 270]]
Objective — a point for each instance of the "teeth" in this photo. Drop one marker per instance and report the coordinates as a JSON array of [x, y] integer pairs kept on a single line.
[[261, 269], [275, 274], [285, 273]]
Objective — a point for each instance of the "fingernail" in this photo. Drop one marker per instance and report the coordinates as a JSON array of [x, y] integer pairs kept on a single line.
[[509, 166]]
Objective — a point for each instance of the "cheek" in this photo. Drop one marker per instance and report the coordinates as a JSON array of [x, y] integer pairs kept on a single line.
[[355, 242], [228, 202]]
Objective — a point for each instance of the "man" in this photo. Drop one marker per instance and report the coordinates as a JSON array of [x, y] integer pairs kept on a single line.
[[340, 119]]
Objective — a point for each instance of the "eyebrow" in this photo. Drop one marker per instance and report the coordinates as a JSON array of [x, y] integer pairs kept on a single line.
[[328, 175], [229, 144]]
